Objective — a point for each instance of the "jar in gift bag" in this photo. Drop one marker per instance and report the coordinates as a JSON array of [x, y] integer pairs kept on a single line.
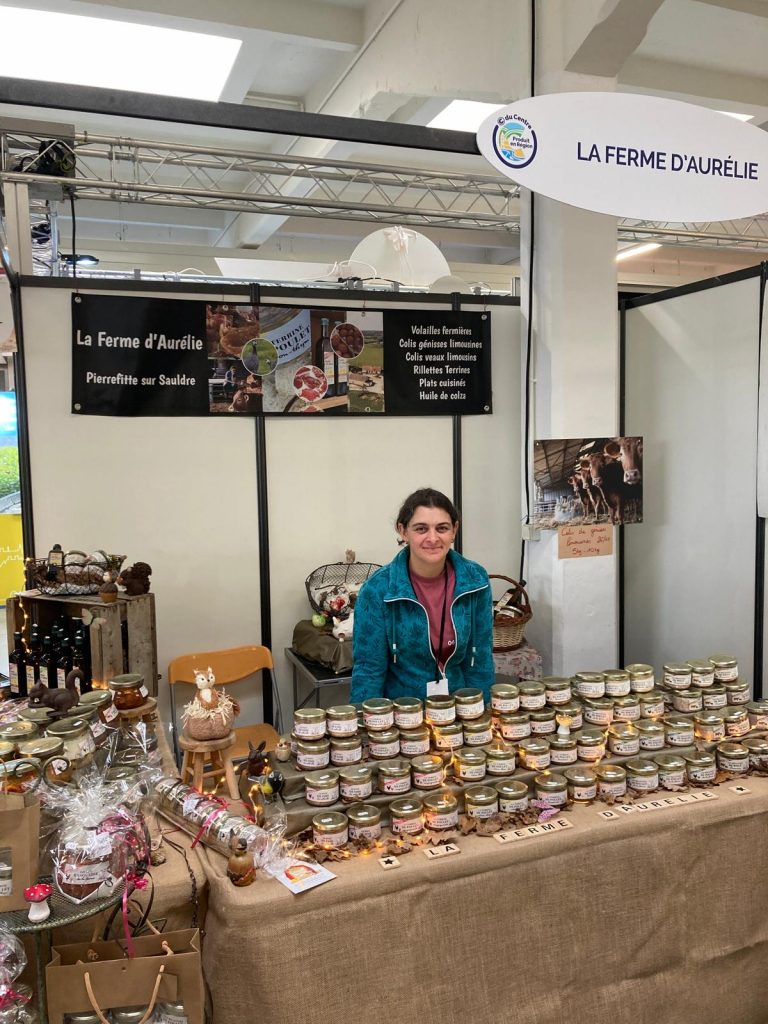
[[170, 1013], [83, 866], [128, 691], [128, 1014]]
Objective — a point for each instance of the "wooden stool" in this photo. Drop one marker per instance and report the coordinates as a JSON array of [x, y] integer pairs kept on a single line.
[[146, 712], [197, 753]]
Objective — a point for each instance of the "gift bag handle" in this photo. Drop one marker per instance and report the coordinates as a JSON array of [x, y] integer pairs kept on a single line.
[[150, 1008]]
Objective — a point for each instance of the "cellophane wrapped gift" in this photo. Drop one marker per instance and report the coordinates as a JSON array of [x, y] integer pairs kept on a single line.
[[102, 842], [15, 998]]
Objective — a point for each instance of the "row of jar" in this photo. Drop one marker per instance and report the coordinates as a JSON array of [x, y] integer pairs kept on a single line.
[[164, 1013]]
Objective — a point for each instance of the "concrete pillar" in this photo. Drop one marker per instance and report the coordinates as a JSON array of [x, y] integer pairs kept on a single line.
[[574, 389]]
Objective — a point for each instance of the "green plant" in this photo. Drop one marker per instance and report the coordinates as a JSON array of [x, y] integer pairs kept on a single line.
[[9, 470]]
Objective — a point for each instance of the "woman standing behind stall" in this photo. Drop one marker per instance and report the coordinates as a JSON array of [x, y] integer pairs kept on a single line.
[[423, 623]]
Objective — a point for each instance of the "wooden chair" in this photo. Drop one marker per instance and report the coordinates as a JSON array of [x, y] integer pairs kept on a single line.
[[230, 666]]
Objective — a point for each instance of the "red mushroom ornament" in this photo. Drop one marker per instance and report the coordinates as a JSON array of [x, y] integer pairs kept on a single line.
[[37, 897]]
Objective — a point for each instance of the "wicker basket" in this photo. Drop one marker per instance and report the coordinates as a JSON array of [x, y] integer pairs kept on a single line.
[[327, 579], [511, 613], [76, 578]]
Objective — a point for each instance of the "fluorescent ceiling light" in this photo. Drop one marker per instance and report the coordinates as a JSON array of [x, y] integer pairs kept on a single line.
[[463, 115], [77, 50], [637, 250], [739, 117]]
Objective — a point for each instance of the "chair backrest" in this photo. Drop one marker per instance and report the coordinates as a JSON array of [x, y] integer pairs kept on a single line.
[[229, 665]]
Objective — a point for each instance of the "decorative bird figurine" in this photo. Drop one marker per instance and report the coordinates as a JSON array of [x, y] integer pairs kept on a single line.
[[206, 694]]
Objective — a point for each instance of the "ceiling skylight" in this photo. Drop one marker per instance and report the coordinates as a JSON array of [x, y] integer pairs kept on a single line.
[[463, 115], [79, 50]]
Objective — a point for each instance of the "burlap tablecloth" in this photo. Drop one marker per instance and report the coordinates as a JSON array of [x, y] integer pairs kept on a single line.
[[656, 917]]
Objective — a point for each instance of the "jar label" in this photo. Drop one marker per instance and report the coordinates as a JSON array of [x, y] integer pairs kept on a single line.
[[364, 831], [342, 726], [398, 784], [505, 704], [471, 771], [482, 812], [642, 685], [143, 691], [629, 746], [558, 696], [703, 678], [711, 733], [542, 728], [98, 728], [643, 782], [619, 688], [669, 779], [758, 720], [428, 780], [553, 799], [590, 689], [596, 753], [680, 738], [382, 751], [59, 765], [441, 716], [757, 760], [713, 701], [534, 761], [347, 756], [477, 739], [440, 821], [677, 682], [733, 764], [497, 767], [320, 797], [738, 697], [449, 742], [110, 713], [516, 730], [588, 792], [628, 714], [169, 1018], [726, 675], [330, 839], [471, 710], [356, 790], [532, 701], [652, 740], [408, 719], [576, 721], [599, 716], [513, 806], [652, 710], [612, 788], [313, 760], [414, 747], [705, 774], [737, 728], [6, 886], [311, 730], [563, 756], [377, 722], [411, 825], [683, 702]]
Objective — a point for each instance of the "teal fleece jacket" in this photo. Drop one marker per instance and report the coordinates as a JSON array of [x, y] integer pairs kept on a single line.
[[392, 653]]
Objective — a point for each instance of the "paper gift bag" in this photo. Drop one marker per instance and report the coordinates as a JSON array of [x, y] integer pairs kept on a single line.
[[19, 847], [99, 976]]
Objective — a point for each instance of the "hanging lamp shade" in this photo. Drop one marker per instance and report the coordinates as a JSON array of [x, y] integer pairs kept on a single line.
[[399, 254]]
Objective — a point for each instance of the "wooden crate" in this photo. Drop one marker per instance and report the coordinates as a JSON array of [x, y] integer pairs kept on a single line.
[[108, 658]]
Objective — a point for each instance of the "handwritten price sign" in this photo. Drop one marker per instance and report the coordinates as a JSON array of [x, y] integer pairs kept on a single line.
[[585, 541]]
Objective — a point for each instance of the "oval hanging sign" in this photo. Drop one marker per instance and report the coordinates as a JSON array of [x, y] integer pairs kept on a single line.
[[634, 156]]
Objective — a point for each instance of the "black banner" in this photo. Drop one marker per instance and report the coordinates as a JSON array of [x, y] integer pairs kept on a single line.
[[172, 357]]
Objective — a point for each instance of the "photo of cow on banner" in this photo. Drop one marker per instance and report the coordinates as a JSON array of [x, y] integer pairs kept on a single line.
[[588, 480]]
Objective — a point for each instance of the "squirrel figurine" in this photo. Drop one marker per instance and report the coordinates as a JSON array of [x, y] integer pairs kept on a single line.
[[59, 700]]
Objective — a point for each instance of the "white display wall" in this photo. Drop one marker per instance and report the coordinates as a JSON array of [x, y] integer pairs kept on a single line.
[[180, 493], [691, 391]]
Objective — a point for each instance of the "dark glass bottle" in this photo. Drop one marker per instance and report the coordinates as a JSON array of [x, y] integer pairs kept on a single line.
[[340, 369], [16, 668], [79, 660], [64, 662], [32, 662], [47, 663], [324, 357]]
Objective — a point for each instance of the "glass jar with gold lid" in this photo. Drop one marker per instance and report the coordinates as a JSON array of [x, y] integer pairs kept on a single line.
[[79, 745], [641, 678], [671, 770], [611, 780], [651, 734], [477, 732], [128, 691], [469, 703], [551, 789], [409, 712], [500, 758], [582, 784], [702, 673], [394, 777], [557, 690], [513, 795], [589, 684], [309, 723], [562, 749], [449, 736], [341, 721], [481, 801], [405, 815], [617, 682], [441, 810], [469, 764], [515, 726], [505, 697]]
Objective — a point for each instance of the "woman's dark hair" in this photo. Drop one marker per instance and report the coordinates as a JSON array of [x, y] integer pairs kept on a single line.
[[426, 497]]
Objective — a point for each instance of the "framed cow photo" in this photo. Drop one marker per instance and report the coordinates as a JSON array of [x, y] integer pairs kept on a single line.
[[588, 480]]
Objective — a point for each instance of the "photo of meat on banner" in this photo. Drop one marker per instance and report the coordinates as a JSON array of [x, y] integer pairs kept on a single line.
[[586, 480]]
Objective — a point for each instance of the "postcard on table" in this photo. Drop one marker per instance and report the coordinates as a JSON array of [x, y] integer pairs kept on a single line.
[[300, 875]]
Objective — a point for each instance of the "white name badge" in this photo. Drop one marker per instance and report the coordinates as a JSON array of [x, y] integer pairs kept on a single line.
[[437, 687]]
